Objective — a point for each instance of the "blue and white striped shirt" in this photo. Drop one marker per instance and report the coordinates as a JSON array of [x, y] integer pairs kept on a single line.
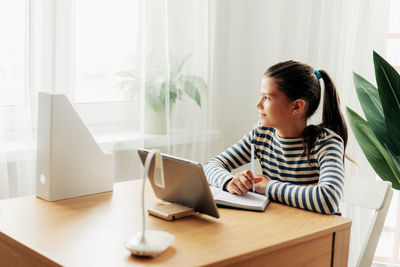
[[293, 181]]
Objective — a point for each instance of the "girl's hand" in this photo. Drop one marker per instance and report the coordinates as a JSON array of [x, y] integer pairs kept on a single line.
[[242, 182], [262, 181]]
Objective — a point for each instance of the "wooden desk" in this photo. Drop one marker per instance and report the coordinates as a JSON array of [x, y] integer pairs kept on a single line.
[[91, 230]]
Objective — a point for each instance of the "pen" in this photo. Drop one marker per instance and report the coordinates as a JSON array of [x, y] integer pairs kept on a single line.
[[252, 164]]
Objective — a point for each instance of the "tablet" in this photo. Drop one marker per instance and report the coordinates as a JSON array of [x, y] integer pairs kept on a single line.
[[185, 183]]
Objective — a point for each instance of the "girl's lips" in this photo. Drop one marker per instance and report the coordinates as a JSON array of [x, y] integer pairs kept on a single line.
[[262, 115]]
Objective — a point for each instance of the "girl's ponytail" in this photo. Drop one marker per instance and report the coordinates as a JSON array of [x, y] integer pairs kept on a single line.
[[332, 117], [310, 135]]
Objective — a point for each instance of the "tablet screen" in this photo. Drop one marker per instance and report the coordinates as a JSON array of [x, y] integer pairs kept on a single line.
[[185, 183]]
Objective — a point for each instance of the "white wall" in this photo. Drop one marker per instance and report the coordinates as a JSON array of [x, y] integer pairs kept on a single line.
[[327, 35], [242, 54], [239, 67]]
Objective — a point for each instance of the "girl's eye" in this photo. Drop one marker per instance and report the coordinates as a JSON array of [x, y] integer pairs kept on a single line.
[[266, 98]]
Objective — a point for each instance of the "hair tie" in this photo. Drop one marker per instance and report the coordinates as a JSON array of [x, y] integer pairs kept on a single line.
[[318, 74]]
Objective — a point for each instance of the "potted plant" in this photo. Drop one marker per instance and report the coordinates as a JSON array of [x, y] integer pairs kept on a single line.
[[159, 82], [379, 135]]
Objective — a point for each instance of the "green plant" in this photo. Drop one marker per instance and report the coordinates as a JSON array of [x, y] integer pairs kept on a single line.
[[160, 79], [379, 135]]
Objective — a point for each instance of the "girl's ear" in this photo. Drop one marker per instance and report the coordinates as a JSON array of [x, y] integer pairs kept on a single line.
[[299, 107]]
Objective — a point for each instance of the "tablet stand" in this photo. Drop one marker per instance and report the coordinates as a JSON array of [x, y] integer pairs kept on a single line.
[[170, 211]]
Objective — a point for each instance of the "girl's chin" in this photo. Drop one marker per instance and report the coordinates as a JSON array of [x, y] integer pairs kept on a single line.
[[265, 123]]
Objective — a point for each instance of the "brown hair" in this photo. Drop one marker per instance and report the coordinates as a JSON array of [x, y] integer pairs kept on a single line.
[[299, 81]]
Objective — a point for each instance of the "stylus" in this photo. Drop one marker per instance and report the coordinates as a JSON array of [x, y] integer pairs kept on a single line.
[[252, 165]]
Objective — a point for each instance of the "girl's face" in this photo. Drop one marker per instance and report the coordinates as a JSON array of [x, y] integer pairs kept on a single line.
[[275, 108]]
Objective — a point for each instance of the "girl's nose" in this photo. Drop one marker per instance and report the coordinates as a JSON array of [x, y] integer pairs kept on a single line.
[[259, 104]]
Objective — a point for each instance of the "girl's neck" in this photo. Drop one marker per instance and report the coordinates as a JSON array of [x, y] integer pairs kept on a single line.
[[292, 130]]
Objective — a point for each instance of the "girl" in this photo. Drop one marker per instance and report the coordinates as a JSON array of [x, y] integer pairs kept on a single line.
[[302, 165]]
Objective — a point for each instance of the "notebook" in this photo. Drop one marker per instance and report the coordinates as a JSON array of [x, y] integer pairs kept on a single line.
[[249, 201]]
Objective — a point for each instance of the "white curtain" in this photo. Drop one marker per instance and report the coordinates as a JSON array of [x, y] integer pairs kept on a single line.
[[180, 32], [104, 55], [337, 36], [17, 163]]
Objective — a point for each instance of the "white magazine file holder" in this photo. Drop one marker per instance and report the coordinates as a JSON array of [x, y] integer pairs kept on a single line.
[[70, 163]]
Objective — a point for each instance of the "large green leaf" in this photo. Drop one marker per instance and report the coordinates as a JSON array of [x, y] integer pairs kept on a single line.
[[368, 96], [388, 81], [185, 58], [192, 91], [195, 80], [394, 161], [176, 66], [173, 66], [380, 159]]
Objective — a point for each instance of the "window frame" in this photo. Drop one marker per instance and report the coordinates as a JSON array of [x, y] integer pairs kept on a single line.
[[395, 230], [64, 77]]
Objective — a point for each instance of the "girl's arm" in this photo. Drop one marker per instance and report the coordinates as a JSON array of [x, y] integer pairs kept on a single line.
[[218, 169], [323, 197]]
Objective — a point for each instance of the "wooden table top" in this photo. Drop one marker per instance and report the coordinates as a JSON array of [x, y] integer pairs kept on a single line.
[[91, 230]]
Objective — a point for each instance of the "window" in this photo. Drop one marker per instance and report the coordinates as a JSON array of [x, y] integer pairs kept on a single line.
[[105, 43], [104, 38], [80, 46], [75, 52], [388, 249], [393, 44], [82, 49], [13, 52]]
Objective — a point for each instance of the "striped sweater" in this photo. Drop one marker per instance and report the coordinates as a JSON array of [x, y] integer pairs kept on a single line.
[[293, 181]]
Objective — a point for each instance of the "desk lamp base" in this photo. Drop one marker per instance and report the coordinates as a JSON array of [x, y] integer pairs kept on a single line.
[[154, 243]]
